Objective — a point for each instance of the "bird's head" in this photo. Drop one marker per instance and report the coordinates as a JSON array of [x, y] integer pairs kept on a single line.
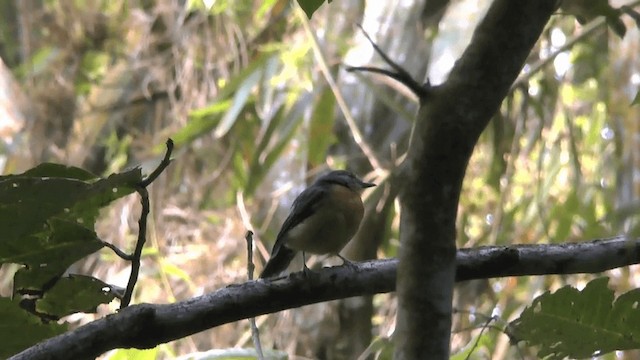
[[344, 178]]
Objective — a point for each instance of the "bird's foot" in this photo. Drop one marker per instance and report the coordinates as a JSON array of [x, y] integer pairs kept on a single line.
[[346, 262], [306, 272]]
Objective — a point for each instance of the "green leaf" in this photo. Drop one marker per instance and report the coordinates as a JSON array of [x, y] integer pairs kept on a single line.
[[72, 294], [50, 253], [636, 100], [126, 354], [239, 102], [59, 171], [102, 192], [20, 330], [47, 215], [578, 324], [29, 200], [201, 121], [310, 6], [321, 128], [272, 143]]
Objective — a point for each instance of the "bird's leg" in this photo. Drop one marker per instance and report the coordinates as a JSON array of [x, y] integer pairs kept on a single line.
[[306, 271], [346, 262]]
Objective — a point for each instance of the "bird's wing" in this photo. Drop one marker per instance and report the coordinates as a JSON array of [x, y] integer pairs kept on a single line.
[[305, 205]]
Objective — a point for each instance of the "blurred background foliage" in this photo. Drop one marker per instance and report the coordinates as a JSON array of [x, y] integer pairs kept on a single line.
[[256, 98]]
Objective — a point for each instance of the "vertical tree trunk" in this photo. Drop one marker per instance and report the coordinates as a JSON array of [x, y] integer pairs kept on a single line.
[[448, 125]]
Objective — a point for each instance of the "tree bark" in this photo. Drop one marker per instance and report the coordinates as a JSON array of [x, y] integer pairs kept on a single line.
[[448, 125], [147, 325]]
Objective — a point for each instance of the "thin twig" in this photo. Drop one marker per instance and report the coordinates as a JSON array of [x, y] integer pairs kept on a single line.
[[250, 265], [597, 24], [118, 252], [475, 345], [141, 189], [163, 165], [255, 333], [342, 104], [398, 73], [137, 254]]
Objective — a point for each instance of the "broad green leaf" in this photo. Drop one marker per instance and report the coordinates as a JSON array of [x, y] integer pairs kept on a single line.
[[176, 271], [20, 330], [281, 143], [27, 202], [50, 253], [578, 324], [102, 193], [72, 294], [270, 157], [268, 146], [321, 128], [240, 99], [201, 122]]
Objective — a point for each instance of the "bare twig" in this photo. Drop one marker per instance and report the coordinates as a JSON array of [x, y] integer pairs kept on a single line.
[[118, 252], [342, 104], [255, 333], [398, 73], [591, 28], [163, 165], [142, 226], [484, 327], [137, 254]]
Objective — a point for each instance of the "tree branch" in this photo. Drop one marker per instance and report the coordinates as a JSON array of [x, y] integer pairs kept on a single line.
[[146, 325]]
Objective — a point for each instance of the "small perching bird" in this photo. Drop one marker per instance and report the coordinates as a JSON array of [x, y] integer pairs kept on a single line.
[[323, 218]]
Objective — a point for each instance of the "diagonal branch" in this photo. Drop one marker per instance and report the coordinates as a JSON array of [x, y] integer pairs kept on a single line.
[[358, 137], [146, 325]]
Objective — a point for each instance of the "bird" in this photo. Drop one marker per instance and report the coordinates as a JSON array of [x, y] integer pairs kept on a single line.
[[322, 220]]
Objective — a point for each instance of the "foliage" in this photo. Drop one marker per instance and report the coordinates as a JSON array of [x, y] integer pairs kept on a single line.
[[20, 329], [48, 215], [580, 324], [237, 85], [310, 6]]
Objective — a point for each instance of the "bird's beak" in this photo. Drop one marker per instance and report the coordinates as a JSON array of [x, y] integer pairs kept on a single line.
[[366, 184]]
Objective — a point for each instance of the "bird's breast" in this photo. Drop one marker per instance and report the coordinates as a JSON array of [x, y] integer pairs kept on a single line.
[[331, 226]]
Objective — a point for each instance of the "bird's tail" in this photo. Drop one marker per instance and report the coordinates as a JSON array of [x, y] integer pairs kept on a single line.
[[278, 262]]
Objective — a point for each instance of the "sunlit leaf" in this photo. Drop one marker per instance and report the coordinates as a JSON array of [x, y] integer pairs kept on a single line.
[[238, 103], [321, 127], [201, 121], [578, 324], [127, 354]]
